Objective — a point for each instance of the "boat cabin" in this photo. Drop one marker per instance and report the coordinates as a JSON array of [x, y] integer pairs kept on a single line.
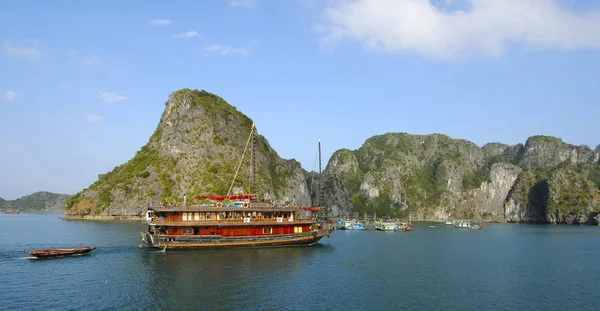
[[225, 221]]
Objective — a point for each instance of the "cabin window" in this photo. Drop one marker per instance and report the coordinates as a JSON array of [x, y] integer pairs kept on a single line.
[[267, 230], [196, 216], [184, 216], [207, 215], [188, 231], [259, 215], [254, 215], [297, 229]]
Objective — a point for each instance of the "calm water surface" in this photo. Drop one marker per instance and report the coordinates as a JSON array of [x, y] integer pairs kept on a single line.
[[505, 267]]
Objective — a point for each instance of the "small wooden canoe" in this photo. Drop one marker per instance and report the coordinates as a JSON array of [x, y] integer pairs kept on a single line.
[[57, 252]]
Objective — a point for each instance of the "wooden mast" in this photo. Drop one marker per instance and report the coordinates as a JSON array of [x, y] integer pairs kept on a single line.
[[253, 161]]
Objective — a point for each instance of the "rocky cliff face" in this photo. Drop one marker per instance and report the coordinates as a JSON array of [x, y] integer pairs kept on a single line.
[[528, 199], [544, 152], [434, 176], [196, 149], [402, 174], [572, 198]]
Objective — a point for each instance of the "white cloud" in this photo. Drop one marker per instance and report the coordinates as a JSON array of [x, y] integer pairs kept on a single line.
[[485, 28], [159, 22], [111, 97], [89, 61], [242, 3], [188, 34], [66, 86], [92, 118], [10, 96], [224, 50], [29, 51]]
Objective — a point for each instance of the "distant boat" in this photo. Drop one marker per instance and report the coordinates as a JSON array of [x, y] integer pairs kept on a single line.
[[391, 226], [352, 225], [11, 211], [452, 223], [58, 252], [469, 225]]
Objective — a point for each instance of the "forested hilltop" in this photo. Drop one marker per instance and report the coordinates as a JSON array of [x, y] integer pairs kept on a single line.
[[437, 177], [42, 201], [199, 141]]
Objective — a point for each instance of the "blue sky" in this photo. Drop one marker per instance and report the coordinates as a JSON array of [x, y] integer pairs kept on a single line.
[[83, 83]]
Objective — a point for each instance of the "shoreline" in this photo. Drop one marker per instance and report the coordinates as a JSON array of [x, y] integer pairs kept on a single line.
[[142, 218]]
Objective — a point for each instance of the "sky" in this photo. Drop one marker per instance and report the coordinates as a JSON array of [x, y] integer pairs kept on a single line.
[[83, 83]]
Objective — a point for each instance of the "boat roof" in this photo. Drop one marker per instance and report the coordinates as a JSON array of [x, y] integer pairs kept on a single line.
[[212, 208]]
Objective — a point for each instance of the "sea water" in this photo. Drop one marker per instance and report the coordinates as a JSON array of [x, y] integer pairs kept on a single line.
[[504, 267]]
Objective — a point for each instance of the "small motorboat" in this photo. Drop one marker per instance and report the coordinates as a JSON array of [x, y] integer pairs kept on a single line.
[[58, 252]]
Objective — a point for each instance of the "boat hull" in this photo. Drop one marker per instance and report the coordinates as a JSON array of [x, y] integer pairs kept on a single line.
[[59, 252], [351, 228], [394, 230], [217, 241]]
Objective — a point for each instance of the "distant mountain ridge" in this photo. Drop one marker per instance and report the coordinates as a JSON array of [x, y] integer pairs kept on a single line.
[[42, 201]]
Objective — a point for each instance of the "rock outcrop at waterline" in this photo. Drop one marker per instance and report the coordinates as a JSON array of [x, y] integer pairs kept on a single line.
[[198, 142]]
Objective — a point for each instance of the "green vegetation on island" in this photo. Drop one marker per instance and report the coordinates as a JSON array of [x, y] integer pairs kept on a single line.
[[41, 201], [200, 138], [195, 149]]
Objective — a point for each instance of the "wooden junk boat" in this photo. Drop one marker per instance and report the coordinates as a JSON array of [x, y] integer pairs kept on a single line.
[[231, 221], [59, 252], [244, 223]]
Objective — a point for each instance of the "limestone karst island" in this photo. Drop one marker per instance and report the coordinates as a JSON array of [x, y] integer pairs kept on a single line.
[[196, 146]]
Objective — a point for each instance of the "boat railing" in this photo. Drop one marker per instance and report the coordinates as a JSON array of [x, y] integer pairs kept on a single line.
[[217, 205], [158, 221]]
